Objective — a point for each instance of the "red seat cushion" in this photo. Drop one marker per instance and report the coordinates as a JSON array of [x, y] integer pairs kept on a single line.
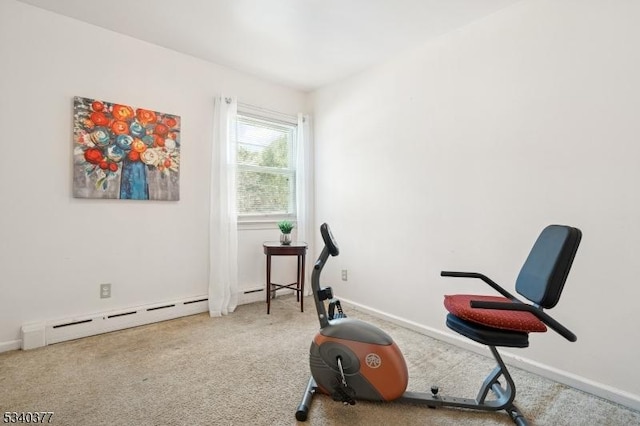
[[460, 306]]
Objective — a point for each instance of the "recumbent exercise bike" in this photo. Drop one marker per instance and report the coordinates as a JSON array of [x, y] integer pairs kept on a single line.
[[352, 359]]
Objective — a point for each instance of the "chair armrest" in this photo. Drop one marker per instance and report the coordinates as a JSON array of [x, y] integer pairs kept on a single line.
[[539, 313], [484, 278]]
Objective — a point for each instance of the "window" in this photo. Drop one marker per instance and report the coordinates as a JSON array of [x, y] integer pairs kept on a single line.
[[266, 157]]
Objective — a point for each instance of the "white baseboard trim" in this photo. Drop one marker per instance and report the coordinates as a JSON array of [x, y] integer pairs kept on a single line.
[[38, 334], [257, 294], [71, 328], [581, 383], [10, 345], [251, 295]]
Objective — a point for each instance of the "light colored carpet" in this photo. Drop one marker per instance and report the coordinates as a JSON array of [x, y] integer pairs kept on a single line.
[[250, 368]]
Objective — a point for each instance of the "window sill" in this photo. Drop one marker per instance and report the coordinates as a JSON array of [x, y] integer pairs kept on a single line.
[[261, 224]]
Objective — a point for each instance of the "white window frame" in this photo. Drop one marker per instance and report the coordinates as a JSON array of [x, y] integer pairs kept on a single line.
[[260, 114]]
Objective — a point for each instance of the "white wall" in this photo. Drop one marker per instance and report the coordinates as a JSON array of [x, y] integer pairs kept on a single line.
[[454, 156], [55, 250]]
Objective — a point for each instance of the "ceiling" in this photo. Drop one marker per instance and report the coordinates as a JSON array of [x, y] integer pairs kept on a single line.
[[303, 44]]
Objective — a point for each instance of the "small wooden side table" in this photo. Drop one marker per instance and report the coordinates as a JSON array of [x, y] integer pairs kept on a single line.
[[296, 248]]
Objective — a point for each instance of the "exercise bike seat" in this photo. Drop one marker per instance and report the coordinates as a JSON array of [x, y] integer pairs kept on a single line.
[[506, 320], [487, 335]]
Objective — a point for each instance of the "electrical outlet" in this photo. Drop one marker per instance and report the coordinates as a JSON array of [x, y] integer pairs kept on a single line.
[[344, 275], [105, 291]]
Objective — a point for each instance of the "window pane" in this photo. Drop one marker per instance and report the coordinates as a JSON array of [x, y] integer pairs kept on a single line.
[[264, 193], [260, 145], [266, 167]]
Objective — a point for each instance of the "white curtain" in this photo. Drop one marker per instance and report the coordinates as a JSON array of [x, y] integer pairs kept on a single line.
[[223, 230], [304, 187]]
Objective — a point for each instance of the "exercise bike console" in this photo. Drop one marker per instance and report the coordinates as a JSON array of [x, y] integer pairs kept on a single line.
[[329, 241]]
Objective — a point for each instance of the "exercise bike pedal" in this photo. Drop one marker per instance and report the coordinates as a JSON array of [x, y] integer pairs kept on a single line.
[[344, 395]]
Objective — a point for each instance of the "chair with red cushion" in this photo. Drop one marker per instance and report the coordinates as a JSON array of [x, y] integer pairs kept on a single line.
[[506, 320]]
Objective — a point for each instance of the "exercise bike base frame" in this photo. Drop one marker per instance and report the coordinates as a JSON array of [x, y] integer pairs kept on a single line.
[[504, 400], [303, 409]]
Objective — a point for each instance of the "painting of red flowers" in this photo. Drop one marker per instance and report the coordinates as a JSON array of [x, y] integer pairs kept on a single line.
[[125, 152]]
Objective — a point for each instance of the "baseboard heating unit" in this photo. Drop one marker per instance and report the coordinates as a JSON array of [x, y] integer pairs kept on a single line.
[[40, 334]]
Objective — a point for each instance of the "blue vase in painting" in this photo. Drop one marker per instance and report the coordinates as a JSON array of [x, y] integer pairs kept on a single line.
[[133, 181]]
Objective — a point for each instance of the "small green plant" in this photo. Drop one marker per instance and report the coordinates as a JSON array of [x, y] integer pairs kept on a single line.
[[285, 226]]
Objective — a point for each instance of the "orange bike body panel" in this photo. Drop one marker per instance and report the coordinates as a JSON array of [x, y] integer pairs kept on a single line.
[[382, 366]]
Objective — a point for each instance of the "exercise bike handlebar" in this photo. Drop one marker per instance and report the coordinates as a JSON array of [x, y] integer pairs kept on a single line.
[[484, 278], [539, 313]]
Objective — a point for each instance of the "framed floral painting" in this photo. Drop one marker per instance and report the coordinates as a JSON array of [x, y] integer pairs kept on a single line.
[[120, 151]]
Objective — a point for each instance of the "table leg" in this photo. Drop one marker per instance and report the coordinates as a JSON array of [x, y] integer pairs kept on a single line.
[[301, 292], [268, 284], [298, 279]]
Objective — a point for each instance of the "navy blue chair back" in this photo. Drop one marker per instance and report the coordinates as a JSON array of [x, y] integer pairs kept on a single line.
[[545, 271]]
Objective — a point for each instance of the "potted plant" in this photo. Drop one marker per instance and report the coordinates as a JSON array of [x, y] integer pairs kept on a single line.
[[286, 227]]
